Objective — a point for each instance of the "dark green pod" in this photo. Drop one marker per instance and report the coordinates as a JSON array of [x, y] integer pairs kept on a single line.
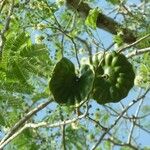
[[114, 78]]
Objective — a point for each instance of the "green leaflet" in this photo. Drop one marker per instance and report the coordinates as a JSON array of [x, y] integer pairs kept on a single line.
[[11, 45], [118, 39], [21, 61], [25, 140], [2, 120], [114, 2], [143, 75], [92, 18], [66, 86]]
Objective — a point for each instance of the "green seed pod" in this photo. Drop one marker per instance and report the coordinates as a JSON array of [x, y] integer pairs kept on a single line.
[[114, 77]]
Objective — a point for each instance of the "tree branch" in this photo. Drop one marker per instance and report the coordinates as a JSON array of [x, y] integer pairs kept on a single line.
[[63, 130], [118, 118], [134, 121], [103, 21], [3, 2], [41, 124], [6, 27], [63, 137], [134, 43], [22, 121], [138, 52]]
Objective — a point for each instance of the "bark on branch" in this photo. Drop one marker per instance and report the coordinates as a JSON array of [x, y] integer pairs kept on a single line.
[[103, 21], [41, 124], [23, 120]]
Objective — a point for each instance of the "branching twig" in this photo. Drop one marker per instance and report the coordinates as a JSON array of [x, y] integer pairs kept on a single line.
[[134, 43], [22, 121], [88, 47], [121, 144], [142, 128], [134, 121], [97, 122], [112, 138], [72, 40], [42, 124], [119, 117]]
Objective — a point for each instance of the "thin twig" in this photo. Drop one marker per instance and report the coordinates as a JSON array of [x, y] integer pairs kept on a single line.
[[76, 51], [115, 114], [134, 121], [97, 122], [62, 46], [63, 130], [110, 46], [63, 137], [142, 128], [72, 40], [119, 117], [122, 144], [88, 47], [3, 2], [134, 43]]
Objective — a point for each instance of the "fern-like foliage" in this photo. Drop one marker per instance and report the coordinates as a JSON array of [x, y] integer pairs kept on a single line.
[[24, 68], [21, 59]]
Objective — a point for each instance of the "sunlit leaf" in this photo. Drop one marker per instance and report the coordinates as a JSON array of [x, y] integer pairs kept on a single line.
[[114, 2], [91, 19]]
